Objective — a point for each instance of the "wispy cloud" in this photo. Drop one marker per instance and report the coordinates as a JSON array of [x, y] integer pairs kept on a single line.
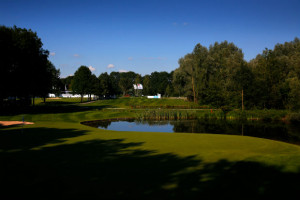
[[130, 58], [110, 66], [76, 55], [122, 71], [92, 68], [52, 53]]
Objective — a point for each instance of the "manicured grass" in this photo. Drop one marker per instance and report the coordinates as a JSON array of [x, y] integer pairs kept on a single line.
[[143, 101], [57, 157]]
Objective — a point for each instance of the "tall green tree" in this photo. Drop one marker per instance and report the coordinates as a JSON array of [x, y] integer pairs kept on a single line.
[[81, 83], [276, 72], [208, 74], [146, 85], [138, 80], [24, 65], [125, 84], [105, 84], [115, 78], [179, 82]]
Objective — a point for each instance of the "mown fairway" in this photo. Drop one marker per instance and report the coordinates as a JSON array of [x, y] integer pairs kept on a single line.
[[57, 157]]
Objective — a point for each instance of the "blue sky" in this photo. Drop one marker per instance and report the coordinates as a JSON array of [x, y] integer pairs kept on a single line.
[[149, 35]]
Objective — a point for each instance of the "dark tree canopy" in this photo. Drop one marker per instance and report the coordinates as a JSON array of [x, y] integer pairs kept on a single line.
[[24, 67], [81, 83]]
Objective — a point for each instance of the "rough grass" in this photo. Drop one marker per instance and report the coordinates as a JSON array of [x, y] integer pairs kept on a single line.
[[59, 157]]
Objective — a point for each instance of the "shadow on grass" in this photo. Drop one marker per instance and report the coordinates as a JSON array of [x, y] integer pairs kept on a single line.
[[116, 169], [20, 139], [50, 109]]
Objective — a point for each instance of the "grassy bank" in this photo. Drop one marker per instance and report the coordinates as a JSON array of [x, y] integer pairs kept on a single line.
[[57, 157]]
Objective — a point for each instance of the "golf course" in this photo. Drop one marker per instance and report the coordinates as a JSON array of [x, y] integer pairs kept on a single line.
[[57, 157]]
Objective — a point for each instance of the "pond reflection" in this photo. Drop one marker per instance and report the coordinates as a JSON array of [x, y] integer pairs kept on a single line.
[[277, 130]]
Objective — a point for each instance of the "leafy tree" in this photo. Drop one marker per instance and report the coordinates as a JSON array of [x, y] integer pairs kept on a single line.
[[115, 78], [125, 84], [50, 81], [81, 83], [157, 82], [207, 74], [24, 67], [294, 94], [127, 79], [179, 82], [105, 84], [95, 85], [66, 83], [138, 80], [276, 72], [146, 85]]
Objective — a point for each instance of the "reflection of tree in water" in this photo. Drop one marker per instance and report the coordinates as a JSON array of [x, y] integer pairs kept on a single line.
[[276, 130], [206, 126], [98, 123], [152, 122], [270, 130]]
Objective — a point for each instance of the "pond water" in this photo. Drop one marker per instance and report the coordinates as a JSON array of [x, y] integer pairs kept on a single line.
[[271, 130]]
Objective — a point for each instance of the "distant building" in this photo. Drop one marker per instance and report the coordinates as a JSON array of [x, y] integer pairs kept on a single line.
[[138, 86], [158, 96]]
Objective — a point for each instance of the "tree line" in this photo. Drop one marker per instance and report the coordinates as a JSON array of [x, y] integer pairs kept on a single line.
[[217, 76], [220, 76], [116, 83]]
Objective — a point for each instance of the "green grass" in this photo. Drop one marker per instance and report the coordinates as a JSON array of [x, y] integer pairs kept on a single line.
[[57, 157], [144, 102]]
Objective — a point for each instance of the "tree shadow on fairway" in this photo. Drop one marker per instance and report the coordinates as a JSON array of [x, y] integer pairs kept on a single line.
[[20, 139], [51, 108], [116, 169]]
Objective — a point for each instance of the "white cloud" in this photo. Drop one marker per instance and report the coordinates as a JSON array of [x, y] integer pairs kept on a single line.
[[110, 66], [52, 53], [76, 55], [122, 70], [92, 68]]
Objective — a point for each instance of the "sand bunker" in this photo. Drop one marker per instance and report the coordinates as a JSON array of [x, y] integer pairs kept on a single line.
[[9, 123]]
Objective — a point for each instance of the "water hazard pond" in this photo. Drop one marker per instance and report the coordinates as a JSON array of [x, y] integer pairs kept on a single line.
[[281, 131]]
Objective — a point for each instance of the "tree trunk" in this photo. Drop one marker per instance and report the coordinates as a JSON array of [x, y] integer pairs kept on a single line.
[[81, 98], [242, 100], [194, 92], [33, 100]]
